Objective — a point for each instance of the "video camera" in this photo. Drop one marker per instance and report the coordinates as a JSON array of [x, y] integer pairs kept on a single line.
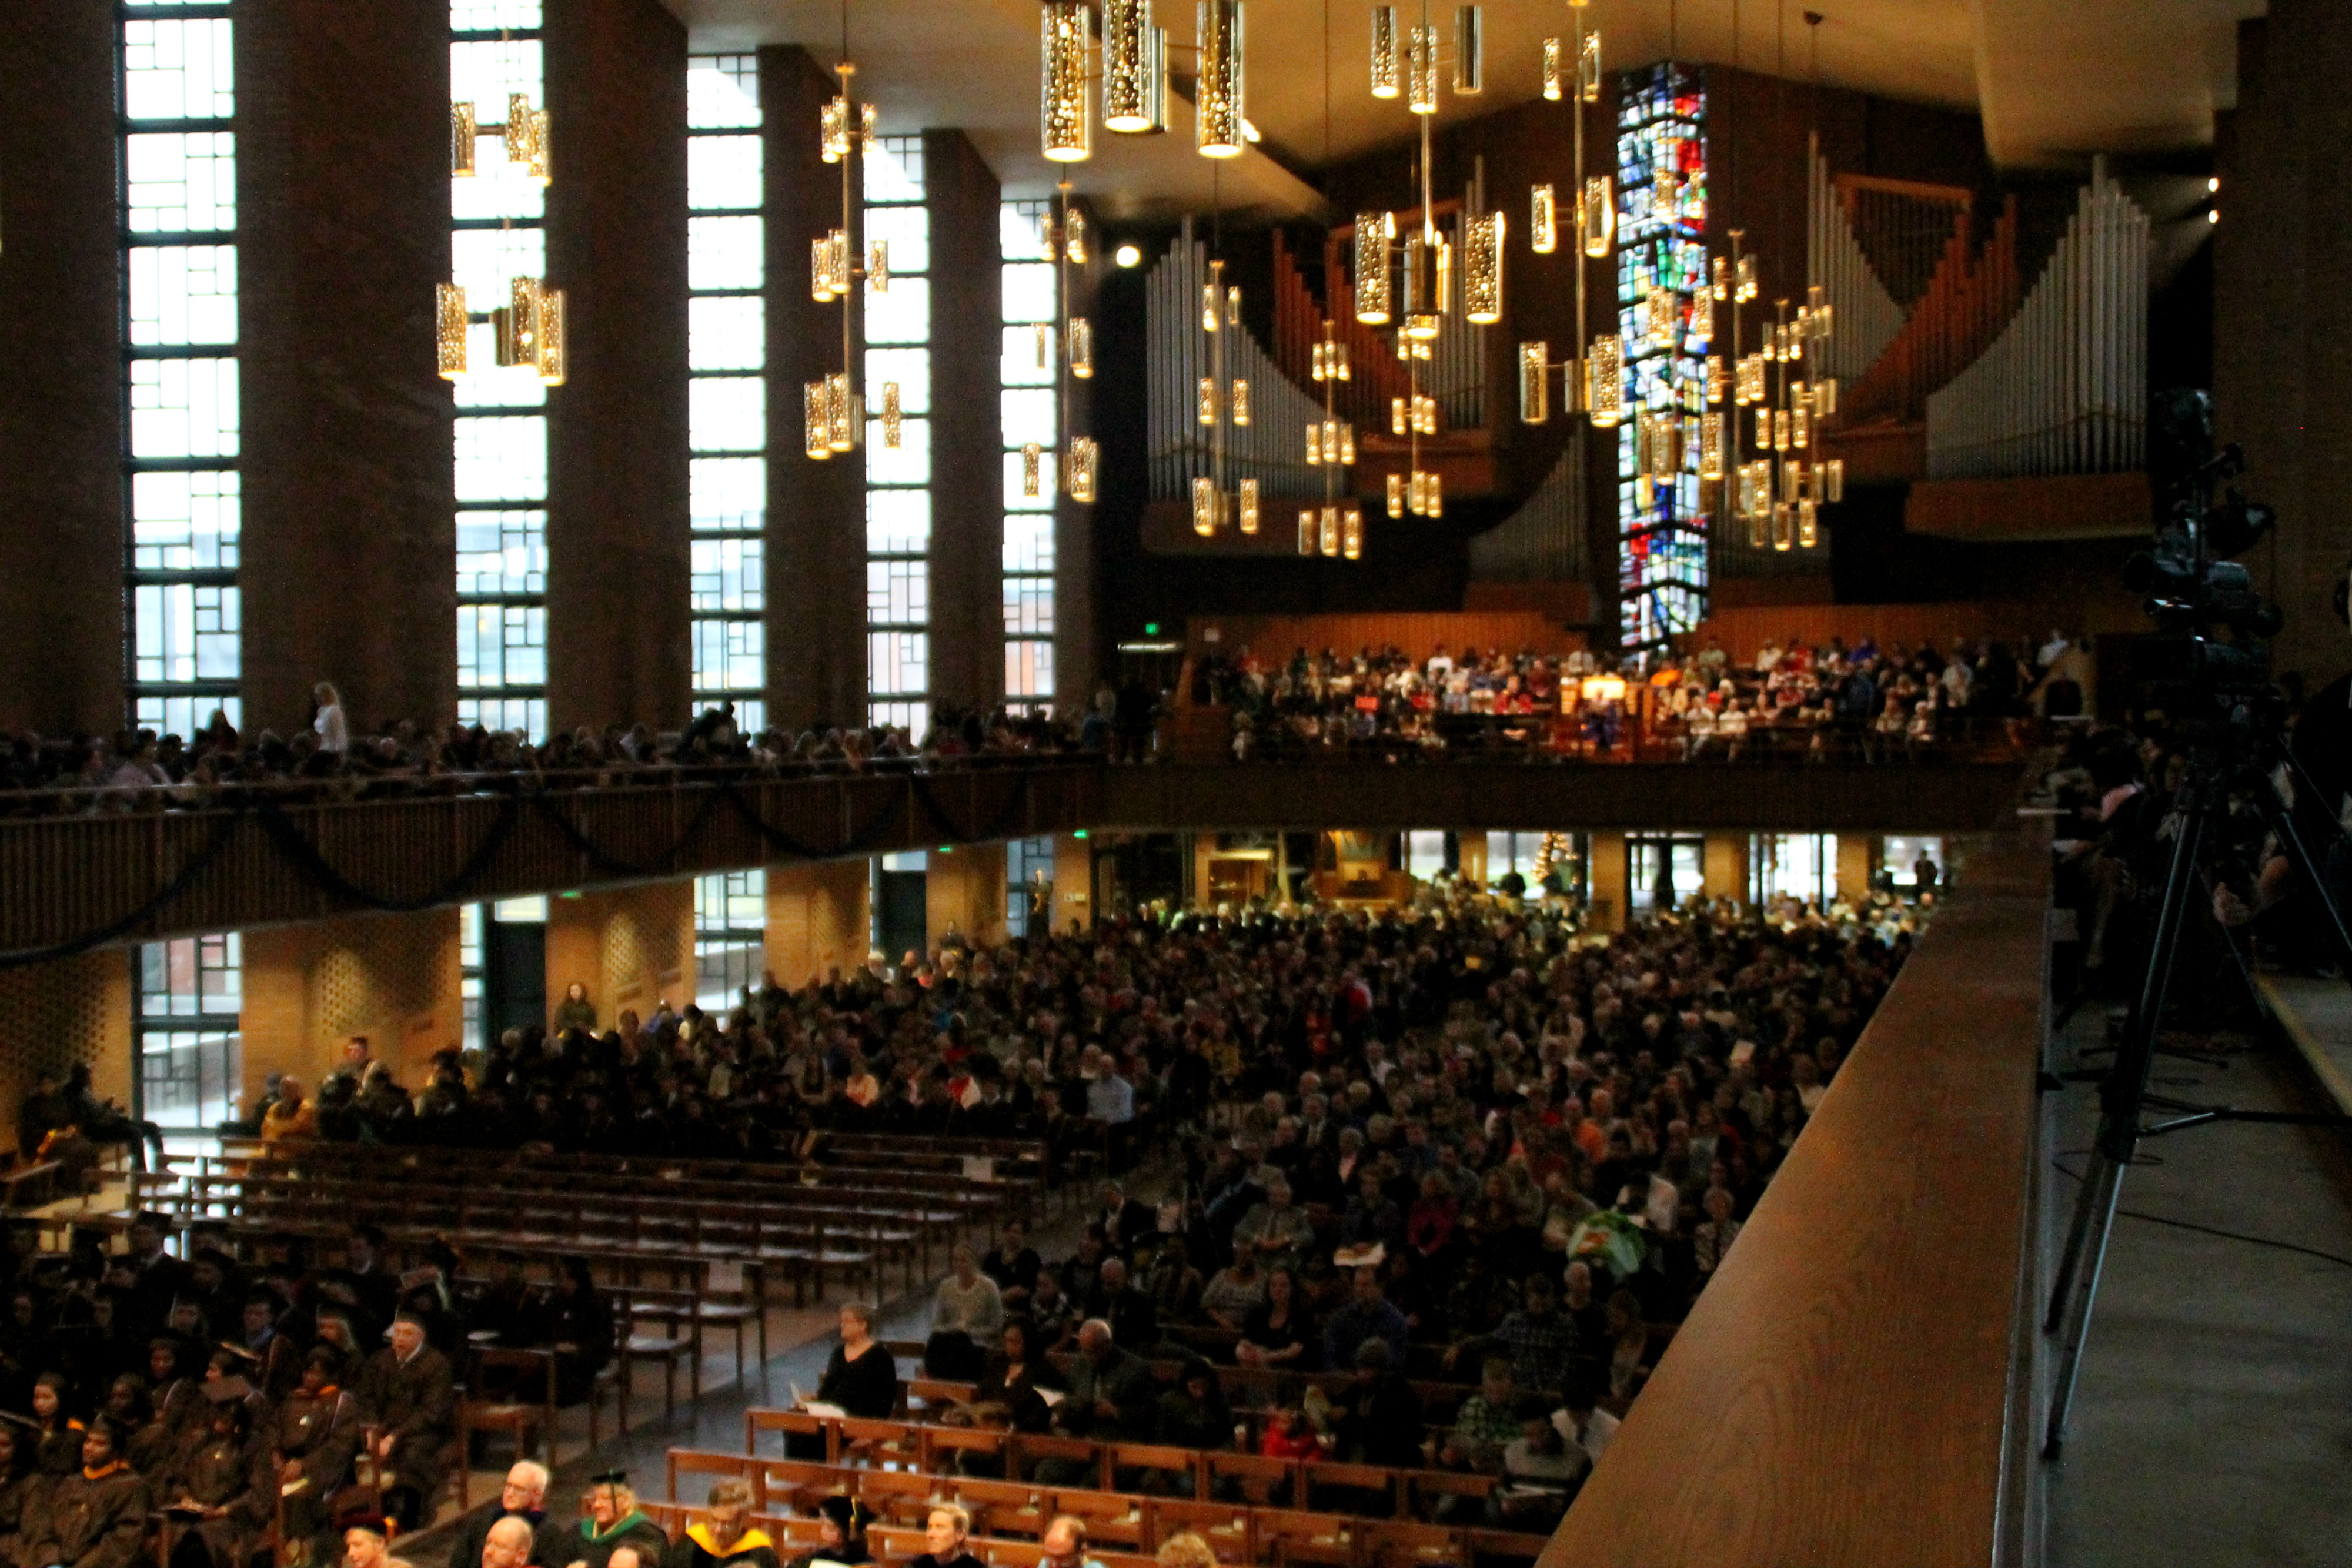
[[2213, 630]]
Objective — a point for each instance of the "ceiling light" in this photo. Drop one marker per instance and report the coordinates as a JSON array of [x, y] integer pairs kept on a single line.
[[2212, 216], [2213, 185], [1218, 96], [1063, 120], [1128, 255]]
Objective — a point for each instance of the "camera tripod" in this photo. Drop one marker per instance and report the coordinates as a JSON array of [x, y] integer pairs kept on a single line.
[[2201, 805]]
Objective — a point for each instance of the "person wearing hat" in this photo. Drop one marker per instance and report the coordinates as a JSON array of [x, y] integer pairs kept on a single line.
[[614, 1521], [723, 1537], [223, 1485], [367, 1542], [22, 1488], [317, 1437], [410, 1394], [96, 1516], [841, 1521]]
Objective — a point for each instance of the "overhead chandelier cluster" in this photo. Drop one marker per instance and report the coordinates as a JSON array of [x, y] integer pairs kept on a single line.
[[1780, 493], [833, 410], [1405, 272], [1592, 379], [1224, 405], [1134, 76], [529, 330], [1336, 527]]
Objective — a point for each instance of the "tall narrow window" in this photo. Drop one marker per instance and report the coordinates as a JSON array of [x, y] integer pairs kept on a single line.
[[898, 493], [498, 232], [1031, 375], [187, 994], [731, 920], [178, 95], [726, 346]]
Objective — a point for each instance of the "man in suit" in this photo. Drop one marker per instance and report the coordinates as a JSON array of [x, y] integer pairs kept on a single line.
[[409, 1391], [1124, 1220]]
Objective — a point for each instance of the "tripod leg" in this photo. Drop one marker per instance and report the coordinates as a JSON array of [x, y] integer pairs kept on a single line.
[[2119, 1106], [2070, 1355], [2283, 822]]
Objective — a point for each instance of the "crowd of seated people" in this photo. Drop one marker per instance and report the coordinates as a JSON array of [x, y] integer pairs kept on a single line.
[[1462, 1149], [243, 1400], [136, 770], [1860, 700]]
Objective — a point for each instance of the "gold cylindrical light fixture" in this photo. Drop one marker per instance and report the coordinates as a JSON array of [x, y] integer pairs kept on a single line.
[[816, 420], [1420, 69], [1428, 275], [462, 132], [1551, 69], [894, 418], [1469, 51], [1375, 293], [1588, 68], [1082, 348], [1062, 121], [1085, 460], [1314, 444], [1710, 447], [1033, 464], [833, 130], [449, 329], [1329, 530], [1386, 69], [1396, 494], [1482, 268], [842, 406], [1596, 216], [1204, 507], [555, 338], [1217, 99], [1135, 70], [1351, 531], [1208, 400], [1543, 221], [1305, 530], [1605, 384], [1664, 315], [1833, 480], [1535, 383], [1249, 506], [1239, 408]]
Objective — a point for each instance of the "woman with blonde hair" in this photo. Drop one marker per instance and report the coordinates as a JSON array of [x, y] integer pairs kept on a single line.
[[334, 731]]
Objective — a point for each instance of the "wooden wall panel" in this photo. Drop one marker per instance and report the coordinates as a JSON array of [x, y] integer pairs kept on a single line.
[[1418, 635]]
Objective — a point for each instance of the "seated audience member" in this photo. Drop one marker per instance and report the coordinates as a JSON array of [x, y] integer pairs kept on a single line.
[[966, 1313], [1013, 1264], [1274, 1230], [1113, 1398], [1541, 1471], [1192, 1412], [507, 1542], [1368, 1315], [1009, 1391], [1379, 1415], [723, 1537], [1278, 1332], [1236, 1291], [410, 1395], [1064, 1545], [96, 1516], [841, 1525], [367, 1541], [944, 1536], [1487, 1422], [224, 1487], [616, 1525], [522, 1496]]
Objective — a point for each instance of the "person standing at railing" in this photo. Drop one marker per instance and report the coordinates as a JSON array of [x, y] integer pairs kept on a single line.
[[334, 731]]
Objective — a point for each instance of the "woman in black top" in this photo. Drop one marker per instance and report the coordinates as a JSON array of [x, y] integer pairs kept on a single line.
[[1007, 1394], [945, 1534], [859, 1377], [1280, 1332]]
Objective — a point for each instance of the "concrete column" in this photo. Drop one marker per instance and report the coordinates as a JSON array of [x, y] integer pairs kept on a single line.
[[309, 987], [633, 947], [1608, 879], [965, 892], [1074, 882], [820, 918], [1857, 858], [54, 1015], [967, 424], [62, 664], [1725, 873], [816, 511], [1471, 865], [343, 228], [1075, 665], [617, 513]]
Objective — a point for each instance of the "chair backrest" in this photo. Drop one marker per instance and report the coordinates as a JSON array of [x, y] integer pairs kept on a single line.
[[797, 1481], [1028, 1448], [1224, 1526], [1259, 1477], [792, 1422], [672, 1517], [882, 1442], [1405, 1544], [692, 1461]]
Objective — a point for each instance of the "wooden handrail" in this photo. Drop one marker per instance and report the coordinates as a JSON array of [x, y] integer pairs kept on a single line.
[[1840, 1394]]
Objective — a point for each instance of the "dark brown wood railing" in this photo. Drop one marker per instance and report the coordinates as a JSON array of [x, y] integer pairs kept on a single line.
[[1843, 1393]]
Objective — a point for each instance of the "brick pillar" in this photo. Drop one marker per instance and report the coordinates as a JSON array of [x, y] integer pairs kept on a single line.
[[348, 568], [54, 1015], [308, 987], [1074, 525], [965, 892], [61, 625], [820, 918], [1724, 866], [967, 424], [2281, 344], [631, 947], [1073, 882], [816, 511], [617, 514], [1607, 877]]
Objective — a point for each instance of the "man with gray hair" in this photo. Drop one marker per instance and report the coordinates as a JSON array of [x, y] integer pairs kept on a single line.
[[522, 1499], [507, 1543], [1113, 1398]]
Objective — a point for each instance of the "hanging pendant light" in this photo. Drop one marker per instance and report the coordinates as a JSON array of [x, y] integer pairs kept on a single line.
[[1063, 121], [1482, 268], [1218, 94]]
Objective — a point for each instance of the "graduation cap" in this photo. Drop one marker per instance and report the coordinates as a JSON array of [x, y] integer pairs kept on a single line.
[[609, 1479], [26, 1422], [226, 1390], [375, 1524], [239, 1351]]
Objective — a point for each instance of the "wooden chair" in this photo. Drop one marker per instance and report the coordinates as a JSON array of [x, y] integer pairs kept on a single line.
[[680, 1338], [793, 1482], [695, 1462], [902, 1497], [946, 1449], [1252, 1479], [1158, 1468], [1505, 1545], [1004, 1507], [885, 1445], [1112, 1518], [494, 1374], [791, 1424], [1029, 1447], [1408, 1544], [1362, 1483], [1293, 1535], [1428, 1491], [739, 1310], [1224, 1526]]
